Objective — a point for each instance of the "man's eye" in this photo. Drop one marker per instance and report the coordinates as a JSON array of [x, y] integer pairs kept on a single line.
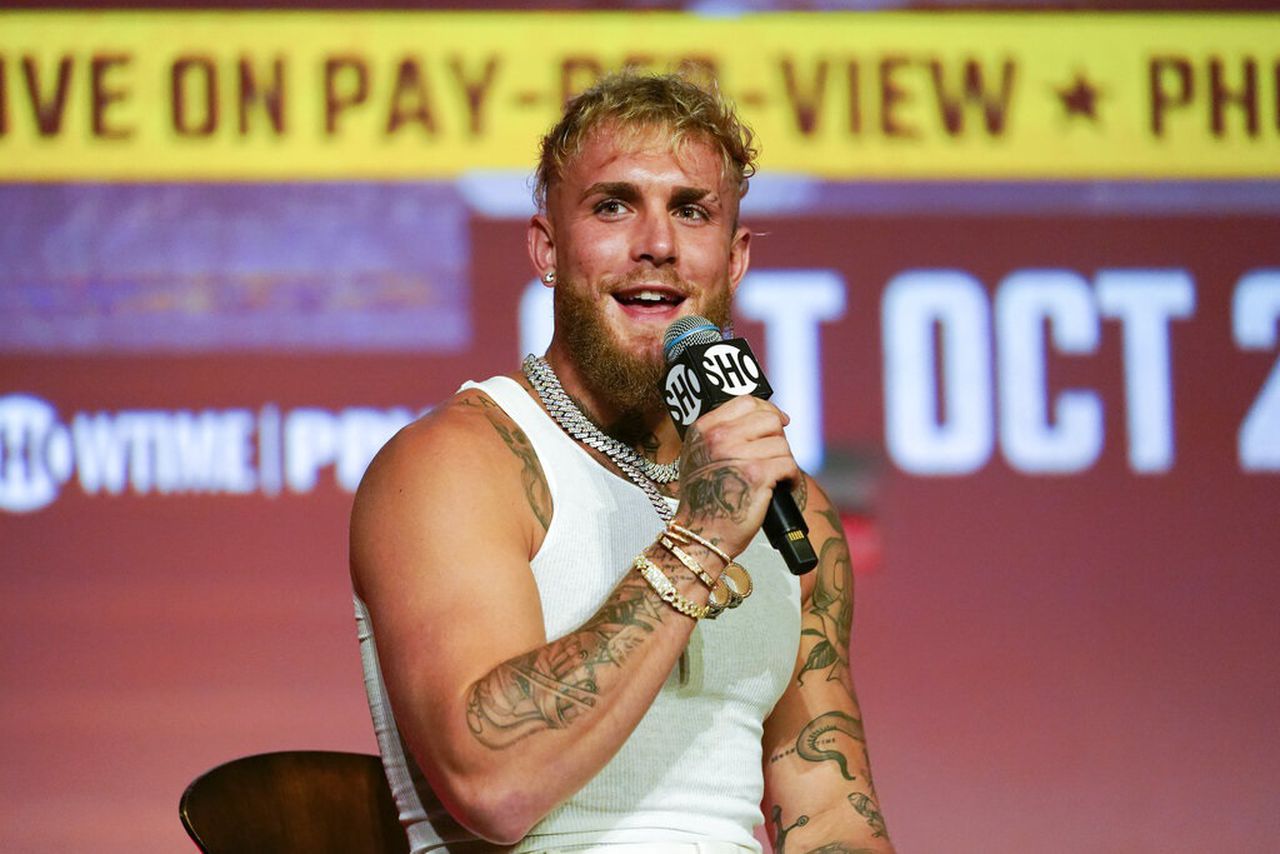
[[693, 212], [610, 207]]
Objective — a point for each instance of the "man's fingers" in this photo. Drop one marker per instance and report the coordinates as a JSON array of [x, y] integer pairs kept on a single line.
[[747, 416], [769, 472]]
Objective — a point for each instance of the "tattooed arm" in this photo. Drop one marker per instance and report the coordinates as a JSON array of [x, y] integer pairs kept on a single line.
[[505, 724], [819, 795]]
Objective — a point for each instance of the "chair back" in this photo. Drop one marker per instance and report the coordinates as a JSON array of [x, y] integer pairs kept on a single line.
[[312, 801]]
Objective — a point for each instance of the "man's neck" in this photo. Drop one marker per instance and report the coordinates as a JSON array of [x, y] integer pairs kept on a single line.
[[651, 433]]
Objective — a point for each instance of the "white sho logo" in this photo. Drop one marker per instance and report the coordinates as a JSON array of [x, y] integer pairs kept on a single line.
[[731, 369], [212, 451], [683, 394], [35, 453]]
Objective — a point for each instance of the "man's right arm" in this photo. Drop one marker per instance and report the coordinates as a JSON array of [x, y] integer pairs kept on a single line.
[[504, 724]]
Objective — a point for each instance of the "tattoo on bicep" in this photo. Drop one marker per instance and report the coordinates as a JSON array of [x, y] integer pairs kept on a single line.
[[830, 614], [833, 518], [536, 491], [866, 808], [552, 686]]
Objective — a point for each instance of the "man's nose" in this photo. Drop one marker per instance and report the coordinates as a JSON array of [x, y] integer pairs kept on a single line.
[[655, 239]]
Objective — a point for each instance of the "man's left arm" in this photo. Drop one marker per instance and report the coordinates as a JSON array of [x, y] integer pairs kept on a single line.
[[819, 796]]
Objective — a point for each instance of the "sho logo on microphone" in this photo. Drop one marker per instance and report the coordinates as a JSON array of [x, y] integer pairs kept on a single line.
[[683, 393], [733, 370], [704, 376]]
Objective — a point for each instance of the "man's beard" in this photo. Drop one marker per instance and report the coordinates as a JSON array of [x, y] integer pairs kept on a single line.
[[629, 381]]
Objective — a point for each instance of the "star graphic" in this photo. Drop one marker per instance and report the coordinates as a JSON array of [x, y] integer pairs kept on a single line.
[[1080, 98]]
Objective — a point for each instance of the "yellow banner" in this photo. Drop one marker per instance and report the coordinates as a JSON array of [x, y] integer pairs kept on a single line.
[[355, 95]]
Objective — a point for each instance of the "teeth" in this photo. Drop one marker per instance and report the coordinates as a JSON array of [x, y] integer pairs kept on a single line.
[[647, 297]]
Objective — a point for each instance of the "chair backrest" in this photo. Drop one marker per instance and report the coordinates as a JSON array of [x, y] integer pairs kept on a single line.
[[310, 801]]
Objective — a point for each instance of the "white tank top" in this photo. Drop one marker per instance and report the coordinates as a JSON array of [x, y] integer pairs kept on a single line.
[[691, 770]]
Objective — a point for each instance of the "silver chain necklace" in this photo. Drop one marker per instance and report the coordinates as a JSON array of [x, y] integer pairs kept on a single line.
[[641, 471]]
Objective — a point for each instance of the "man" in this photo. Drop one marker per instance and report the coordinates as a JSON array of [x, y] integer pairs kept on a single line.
[[546, 675]]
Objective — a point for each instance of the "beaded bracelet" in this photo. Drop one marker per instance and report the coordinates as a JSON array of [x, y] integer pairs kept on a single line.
[[667, 590]]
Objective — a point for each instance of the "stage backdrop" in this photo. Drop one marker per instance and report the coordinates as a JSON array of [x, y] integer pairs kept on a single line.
[[1016, 278]]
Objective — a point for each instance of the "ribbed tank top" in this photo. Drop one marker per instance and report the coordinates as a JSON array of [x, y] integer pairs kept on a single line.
[[691, 770]]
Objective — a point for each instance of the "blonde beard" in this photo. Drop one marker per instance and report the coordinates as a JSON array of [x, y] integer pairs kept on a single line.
[[630, 383]]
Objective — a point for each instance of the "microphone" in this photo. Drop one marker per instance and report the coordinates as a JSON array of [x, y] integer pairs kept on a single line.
[[704, 370]]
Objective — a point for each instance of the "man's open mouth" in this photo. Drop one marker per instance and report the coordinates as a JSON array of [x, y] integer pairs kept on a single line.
[[646, 297]]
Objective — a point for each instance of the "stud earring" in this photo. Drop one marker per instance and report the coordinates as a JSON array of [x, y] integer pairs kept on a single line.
[[549, 276]]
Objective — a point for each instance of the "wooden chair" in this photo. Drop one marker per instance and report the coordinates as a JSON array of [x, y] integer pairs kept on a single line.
[[309, 801]]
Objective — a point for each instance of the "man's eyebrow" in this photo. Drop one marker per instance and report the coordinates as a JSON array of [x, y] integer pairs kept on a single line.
[[623, 190], [688, 195]]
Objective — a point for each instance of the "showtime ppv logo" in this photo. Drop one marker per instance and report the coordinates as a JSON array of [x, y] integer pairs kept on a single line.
[[211, 452]]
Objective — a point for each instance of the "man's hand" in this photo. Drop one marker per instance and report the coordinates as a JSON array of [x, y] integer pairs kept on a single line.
[[732, 458]]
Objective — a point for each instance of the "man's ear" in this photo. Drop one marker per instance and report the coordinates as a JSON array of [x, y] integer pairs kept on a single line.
[[739, 256], [542, 247]]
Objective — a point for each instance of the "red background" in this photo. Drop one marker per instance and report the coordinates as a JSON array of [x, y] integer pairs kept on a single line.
[[1046, 663]]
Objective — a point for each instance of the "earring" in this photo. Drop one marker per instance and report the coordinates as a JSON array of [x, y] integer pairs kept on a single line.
[[549, 276]]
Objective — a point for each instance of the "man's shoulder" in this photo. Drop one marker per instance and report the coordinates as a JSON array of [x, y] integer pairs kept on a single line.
[[462, 466], [467, 429]]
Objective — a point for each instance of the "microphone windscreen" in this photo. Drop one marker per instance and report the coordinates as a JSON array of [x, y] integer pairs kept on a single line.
[[686, 332]]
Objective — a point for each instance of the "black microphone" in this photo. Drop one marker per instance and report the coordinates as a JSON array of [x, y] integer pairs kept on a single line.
[[704, 370]]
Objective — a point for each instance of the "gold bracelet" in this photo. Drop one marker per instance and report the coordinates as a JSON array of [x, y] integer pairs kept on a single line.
[[666, 590], [737, 578], [734, 575], [721, 596], [681, 534]]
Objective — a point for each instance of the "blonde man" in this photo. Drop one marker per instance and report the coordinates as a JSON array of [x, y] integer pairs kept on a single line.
[[541, 558]]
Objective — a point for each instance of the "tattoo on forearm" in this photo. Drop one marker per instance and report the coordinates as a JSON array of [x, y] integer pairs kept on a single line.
[[866, 808], [552, 686], [830, 613], [780, 832], [780, 837], [817, 742]]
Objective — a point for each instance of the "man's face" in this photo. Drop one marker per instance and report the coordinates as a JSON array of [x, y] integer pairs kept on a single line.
[[638, 235]]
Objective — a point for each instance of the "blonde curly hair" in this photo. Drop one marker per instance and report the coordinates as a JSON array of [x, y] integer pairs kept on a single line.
[[633, 104]]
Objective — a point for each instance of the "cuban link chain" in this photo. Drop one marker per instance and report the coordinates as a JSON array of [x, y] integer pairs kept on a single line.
[[641, 471]]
